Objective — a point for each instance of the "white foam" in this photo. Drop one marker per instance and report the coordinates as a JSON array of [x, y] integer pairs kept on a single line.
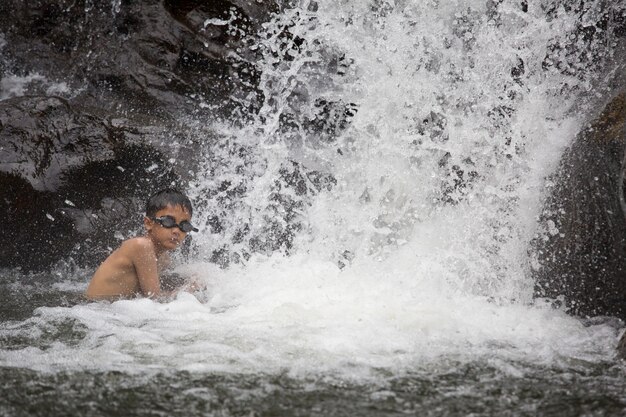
[[17, 86], [304, 317], [58, 89]]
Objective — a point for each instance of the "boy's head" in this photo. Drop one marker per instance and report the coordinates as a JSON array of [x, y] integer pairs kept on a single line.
[[167, 197], [167, 221]]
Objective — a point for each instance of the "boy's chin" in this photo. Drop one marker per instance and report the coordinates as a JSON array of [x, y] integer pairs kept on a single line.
[[170, 244]]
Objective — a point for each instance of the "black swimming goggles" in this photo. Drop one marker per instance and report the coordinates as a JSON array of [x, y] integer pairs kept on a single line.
[[168, 222]]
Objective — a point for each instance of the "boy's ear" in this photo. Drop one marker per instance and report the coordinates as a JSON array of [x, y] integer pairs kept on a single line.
[[148, 224]]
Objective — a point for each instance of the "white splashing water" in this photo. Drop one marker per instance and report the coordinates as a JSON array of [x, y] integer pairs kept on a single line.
[[18, 86], [447, 154], [435, 261]]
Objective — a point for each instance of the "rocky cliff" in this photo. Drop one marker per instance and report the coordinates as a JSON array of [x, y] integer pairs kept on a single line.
[[582, 251], [94, 103]]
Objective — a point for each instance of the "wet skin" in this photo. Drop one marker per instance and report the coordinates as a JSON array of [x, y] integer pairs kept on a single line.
[[133, 269]]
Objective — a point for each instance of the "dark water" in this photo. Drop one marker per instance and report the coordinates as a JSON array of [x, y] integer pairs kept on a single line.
[[468, 389], [451, 386]]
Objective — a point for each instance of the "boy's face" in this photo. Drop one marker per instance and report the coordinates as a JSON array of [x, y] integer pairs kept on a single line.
[[163, 237]]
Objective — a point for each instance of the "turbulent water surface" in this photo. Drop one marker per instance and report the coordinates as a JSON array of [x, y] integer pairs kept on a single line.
[[393, 274]]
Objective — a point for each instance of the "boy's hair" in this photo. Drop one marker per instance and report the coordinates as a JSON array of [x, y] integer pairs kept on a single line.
[[167, 197]]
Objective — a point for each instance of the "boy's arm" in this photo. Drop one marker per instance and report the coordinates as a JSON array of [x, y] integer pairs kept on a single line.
[[145, 262]]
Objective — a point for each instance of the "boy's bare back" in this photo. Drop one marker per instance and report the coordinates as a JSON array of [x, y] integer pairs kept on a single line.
[[132, 269]]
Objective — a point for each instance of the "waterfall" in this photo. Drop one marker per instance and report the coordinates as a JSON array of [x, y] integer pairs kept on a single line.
[[404, 133], [372, 212]]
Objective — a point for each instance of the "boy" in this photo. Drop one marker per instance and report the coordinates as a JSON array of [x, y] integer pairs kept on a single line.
[[134, 268]]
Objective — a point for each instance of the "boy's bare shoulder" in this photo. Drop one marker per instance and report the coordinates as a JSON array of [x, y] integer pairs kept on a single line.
[[137, 246], [141, 241]]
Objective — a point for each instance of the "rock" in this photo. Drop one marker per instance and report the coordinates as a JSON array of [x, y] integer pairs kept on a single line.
[[93, 95], [621, 347], [33, 232], [581, 253], [67, 177], [42, 136], [153, 58]]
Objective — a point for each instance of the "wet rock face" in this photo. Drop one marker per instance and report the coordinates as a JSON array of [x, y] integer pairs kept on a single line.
[[581, 253], [621, 347], [70, 183], [42, 136], [163, 58], [91, 104], [27, 229]]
